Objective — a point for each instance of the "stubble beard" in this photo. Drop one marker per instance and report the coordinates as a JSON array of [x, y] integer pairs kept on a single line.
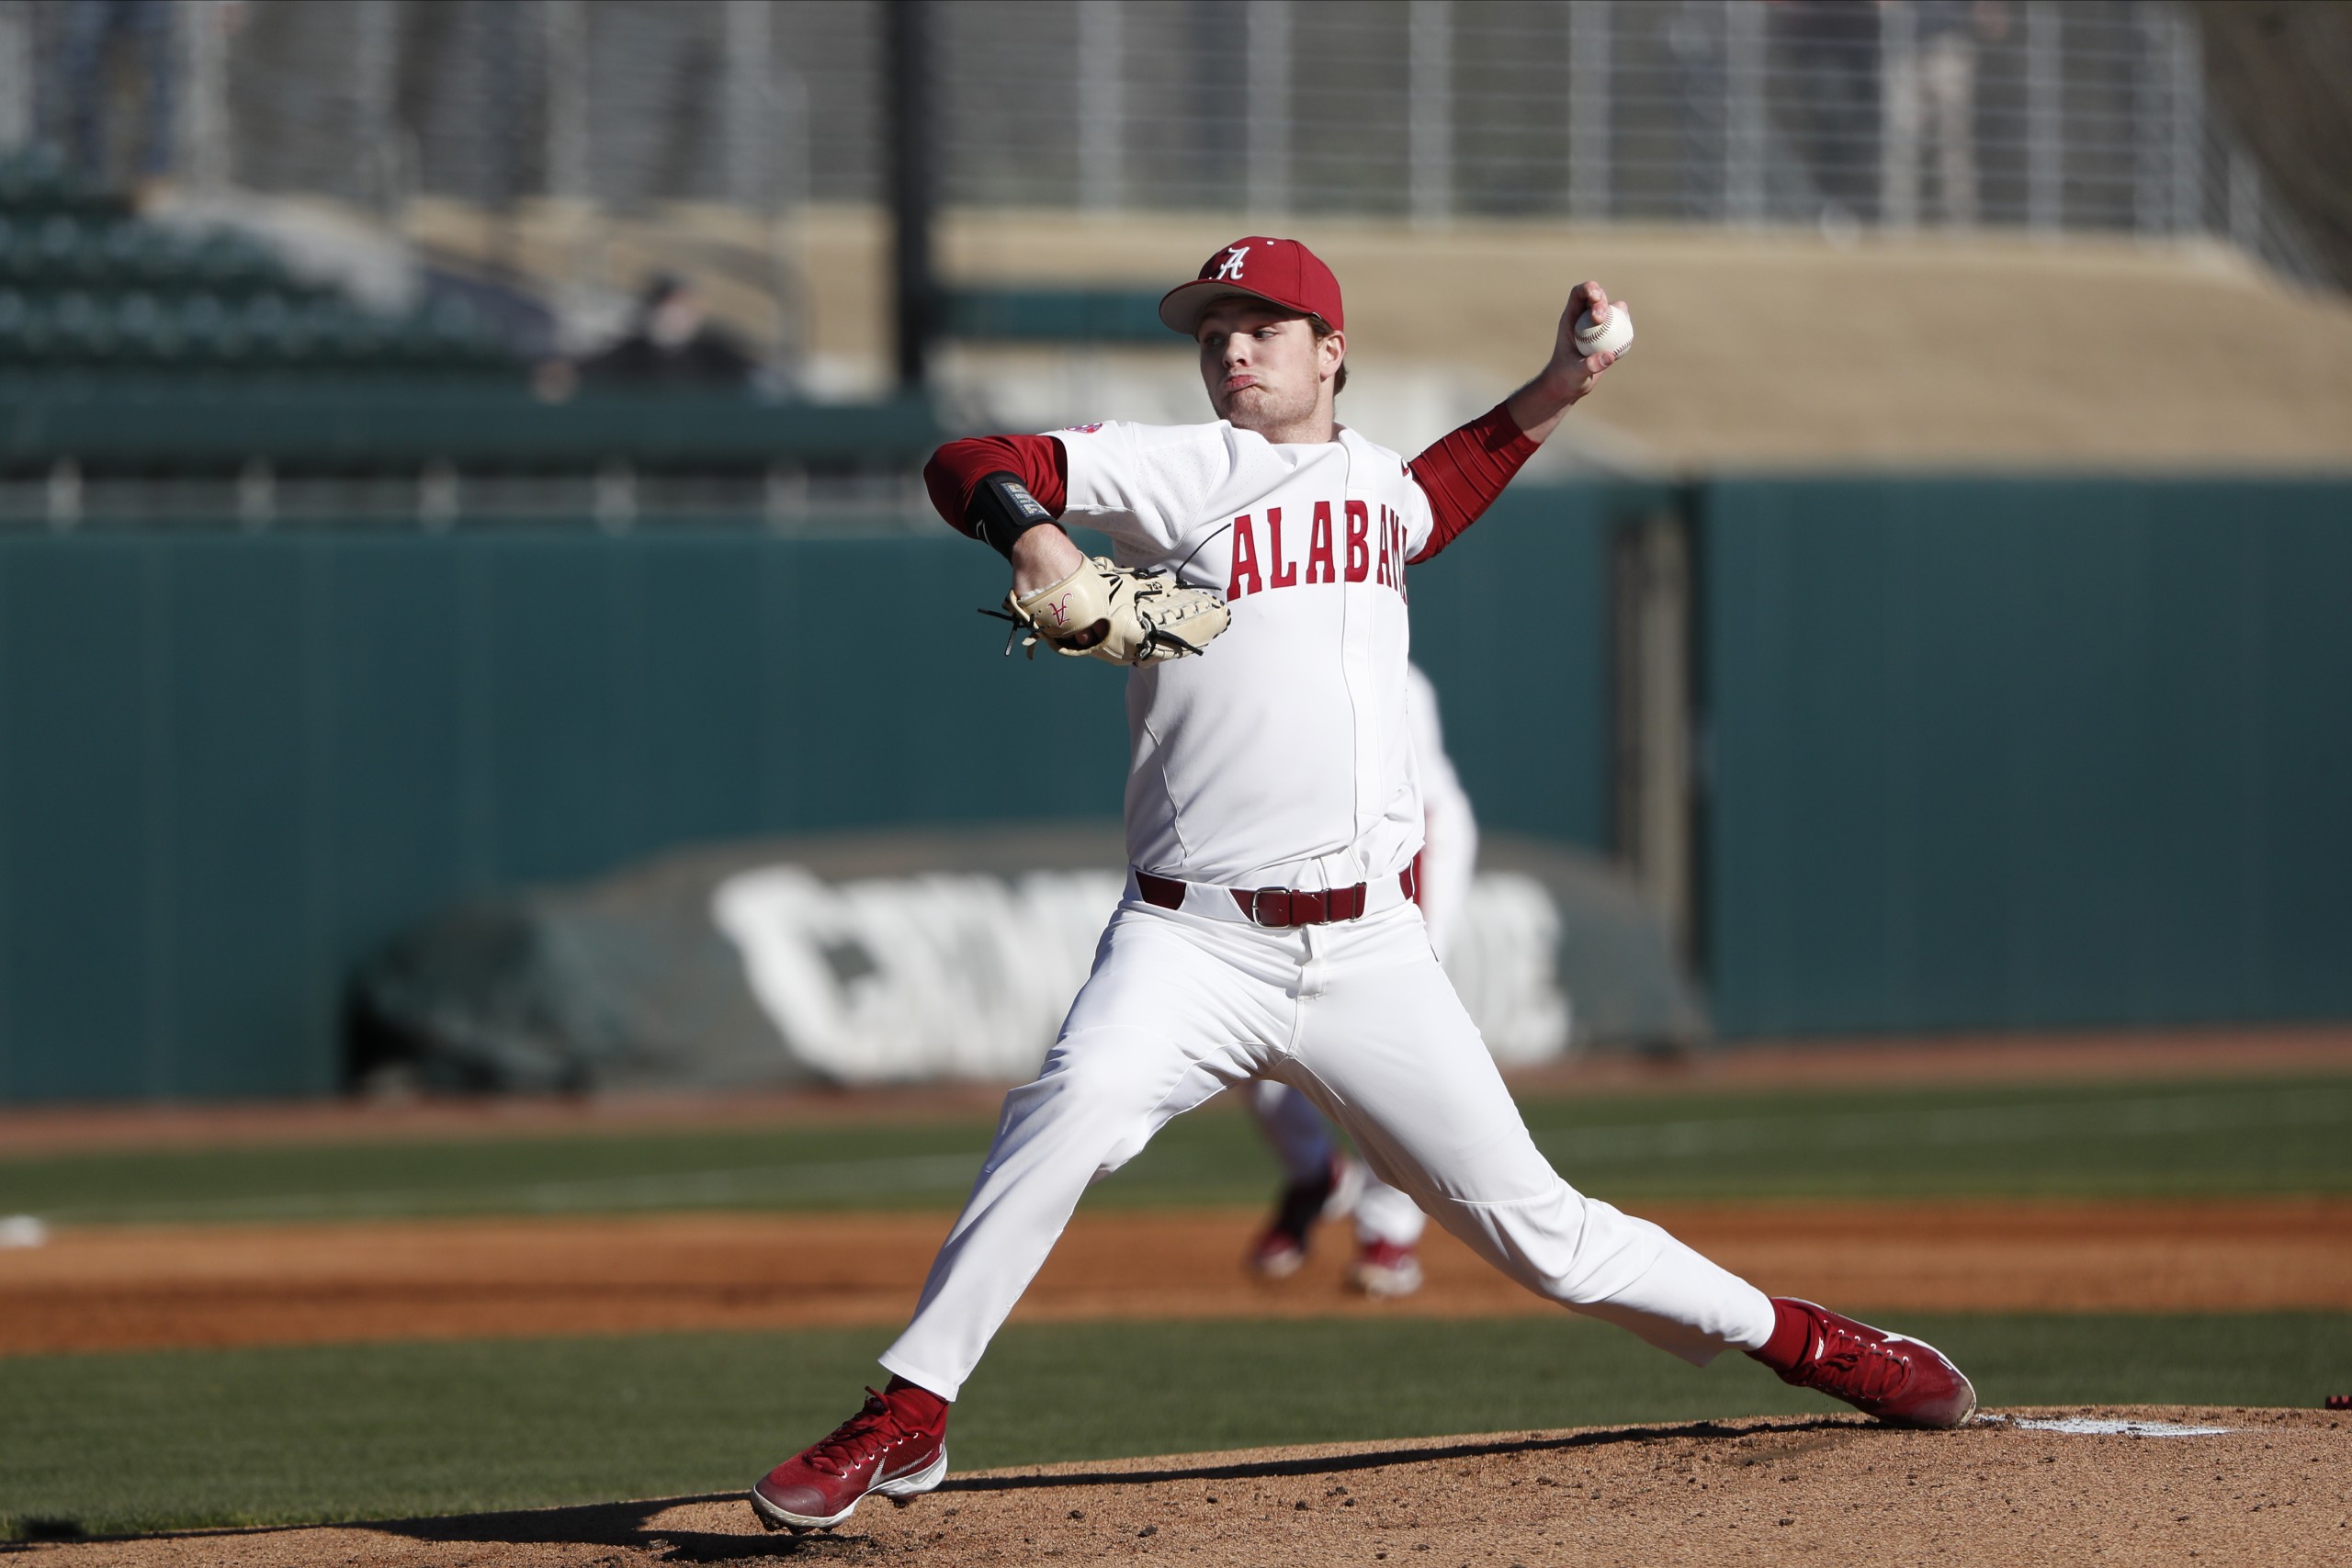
[[1275, 419]]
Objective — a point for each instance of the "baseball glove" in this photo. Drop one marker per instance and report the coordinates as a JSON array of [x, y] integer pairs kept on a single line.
[[1142, 616]]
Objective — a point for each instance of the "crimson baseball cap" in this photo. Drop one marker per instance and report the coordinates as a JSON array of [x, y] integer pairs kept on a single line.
[[1281, 272]]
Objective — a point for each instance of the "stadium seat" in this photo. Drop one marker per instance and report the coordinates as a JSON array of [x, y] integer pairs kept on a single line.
[[144, 330], [36, 181], [84, 329], [210, 331], [24, 329]]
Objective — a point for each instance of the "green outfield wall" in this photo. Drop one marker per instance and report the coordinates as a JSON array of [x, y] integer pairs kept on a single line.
[[231, 765], [2026, 752], [1975, 753]]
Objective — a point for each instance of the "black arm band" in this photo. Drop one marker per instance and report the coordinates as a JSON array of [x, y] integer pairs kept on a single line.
[[1002, 509]]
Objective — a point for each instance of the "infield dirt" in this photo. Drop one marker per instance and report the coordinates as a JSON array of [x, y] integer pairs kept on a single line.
[[2275, 1488], [139, 1287]]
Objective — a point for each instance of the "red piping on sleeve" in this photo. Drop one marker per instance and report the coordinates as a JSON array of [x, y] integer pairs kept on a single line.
[[955, 470], [1464, 472]]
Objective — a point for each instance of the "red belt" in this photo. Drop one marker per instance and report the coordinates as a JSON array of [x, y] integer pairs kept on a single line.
[[1278, 907]]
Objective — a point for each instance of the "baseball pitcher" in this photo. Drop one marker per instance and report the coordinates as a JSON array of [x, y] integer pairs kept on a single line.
[[1260, 595]]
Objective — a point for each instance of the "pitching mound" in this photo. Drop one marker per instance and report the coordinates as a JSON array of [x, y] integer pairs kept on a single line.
[[2121, 1486]]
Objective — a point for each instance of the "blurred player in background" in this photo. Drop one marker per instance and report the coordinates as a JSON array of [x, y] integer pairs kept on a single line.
[[1324, 1182]]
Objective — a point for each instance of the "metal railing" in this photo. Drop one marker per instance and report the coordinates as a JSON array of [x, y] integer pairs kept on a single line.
[[2084, 116], [2056, 116]]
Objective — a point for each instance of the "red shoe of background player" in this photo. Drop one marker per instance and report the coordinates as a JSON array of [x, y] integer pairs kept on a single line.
[[1384, 1271], [1887, 1375], [874, 1451]]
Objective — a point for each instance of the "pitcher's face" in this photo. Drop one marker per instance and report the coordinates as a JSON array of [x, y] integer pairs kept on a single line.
[[1264, 368]]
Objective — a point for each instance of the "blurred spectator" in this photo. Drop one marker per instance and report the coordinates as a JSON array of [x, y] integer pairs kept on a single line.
[[1931, 95], [1833, 49], [118, 54], [672, 344]]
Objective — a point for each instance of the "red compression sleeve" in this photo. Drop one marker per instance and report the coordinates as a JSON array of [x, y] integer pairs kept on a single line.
[[956, 470], [1464, 472]]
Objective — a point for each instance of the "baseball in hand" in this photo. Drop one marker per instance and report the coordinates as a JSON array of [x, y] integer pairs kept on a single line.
[[1615, 334]]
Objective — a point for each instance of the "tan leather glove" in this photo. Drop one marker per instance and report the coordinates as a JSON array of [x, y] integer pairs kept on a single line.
[[1142, 616]]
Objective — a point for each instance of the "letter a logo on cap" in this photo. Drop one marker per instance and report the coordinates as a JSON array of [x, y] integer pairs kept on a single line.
[[1281, 272]]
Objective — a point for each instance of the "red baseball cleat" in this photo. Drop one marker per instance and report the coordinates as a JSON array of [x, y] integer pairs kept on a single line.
[[1277, 1254], [874, 1451], [1896, 1379], [1384, 1271]]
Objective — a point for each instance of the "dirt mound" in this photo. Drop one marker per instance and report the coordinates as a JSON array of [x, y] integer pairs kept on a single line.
[[152, 1286], [2270, 1486]]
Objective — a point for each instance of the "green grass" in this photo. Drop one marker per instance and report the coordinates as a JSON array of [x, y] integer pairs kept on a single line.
[[125, 1442], [2215, 1137]]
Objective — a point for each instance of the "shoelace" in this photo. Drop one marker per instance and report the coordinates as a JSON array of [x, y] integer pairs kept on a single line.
[[858, 1438], [1861, 1368]]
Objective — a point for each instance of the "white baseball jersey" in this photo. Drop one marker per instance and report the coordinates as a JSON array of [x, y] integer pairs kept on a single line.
[[1266, 763]]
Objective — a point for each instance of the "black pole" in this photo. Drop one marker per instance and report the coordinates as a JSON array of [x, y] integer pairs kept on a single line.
[[913, 189]]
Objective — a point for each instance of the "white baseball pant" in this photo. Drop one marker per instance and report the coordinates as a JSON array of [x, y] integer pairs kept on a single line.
[[1358, 1017]]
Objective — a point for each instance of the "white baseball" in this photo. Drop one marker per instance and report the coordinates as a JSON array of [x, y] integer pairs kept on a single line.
[[1616, 334]]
